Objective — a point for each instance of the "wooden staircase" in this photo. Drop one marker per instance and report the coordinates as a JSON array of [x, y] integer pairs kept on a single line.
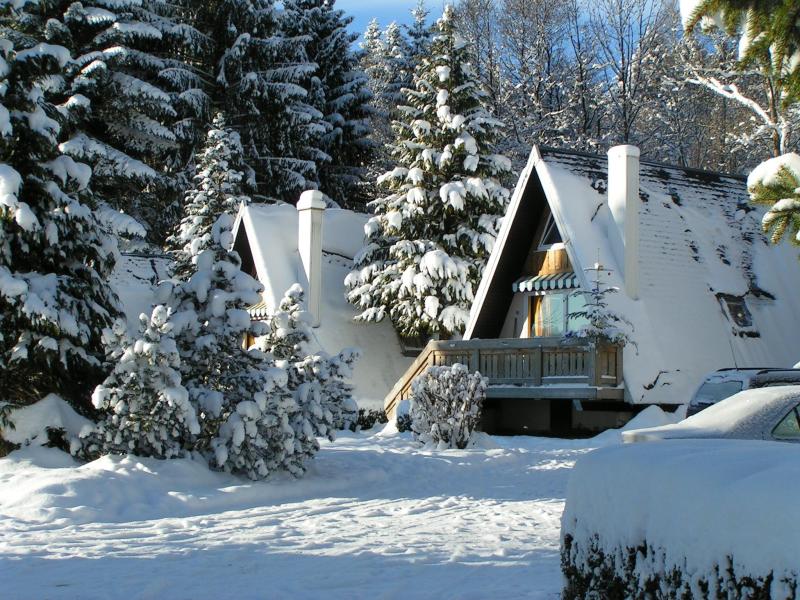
[[539, 367]]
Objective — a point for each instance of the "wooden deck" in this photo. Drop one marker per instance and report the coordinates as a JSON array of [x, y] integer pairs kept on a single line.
[[534, 368]]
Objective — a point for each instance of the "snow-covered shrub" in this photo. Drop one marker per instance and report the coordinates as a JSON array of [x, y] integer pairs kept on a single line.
[[446, 404], [700, 519], [145, 409], [322, 400], [368, 418]]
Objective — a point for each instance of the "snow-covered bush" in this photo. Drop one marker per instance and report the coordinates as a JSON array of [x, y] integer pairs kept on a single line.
[[704, 519], [428, 242], [146, 411], [446, 404], [322, 400], [368, 418]]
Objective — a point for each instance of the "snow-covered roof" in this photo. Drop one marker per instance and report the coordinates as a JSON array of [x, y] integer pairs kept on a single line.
[[269, 233], [134, 279], [699, 238]]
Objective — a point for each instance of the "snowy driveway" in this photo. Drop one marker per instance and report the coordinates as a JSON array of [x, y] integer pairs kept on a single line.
[[374, 518]]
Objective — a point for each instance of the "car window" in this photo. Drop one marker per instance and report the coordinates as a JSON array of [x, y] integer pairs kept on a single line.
[[712, 392], [789, 426]]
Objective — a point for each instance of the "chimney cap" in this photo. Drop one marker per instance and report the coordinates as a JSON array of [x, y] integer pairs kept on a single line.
[[311, 199], [624, 150]]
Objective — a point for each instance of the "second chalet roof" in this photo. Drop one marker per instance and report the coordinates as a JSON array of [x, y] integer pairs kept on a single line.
[[700, 242]]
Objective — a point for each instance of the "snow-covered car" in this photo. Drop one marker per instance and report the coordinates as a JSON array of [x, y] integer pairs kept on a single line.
[[724, 383], [771, 413]]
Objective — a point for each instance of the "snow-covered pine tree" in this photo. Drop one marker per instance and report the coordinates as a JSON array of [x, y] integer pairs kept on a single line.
[[323, 401], [211, 297], [419, 33], [221, 185], [345, 95], [259, 76], [431, 236], [130, 63], [385, 60], [145, 409], [55, 258]]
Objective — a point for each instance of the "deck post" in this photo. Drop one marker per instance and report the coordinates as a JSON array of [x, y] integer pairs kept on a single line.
[[536, 366], [475, 360], [592, 368]]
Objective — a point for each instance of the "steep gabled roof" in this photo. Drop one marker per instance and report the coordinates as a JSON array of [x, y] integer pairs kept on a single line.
[[699, 239], [266, 239]]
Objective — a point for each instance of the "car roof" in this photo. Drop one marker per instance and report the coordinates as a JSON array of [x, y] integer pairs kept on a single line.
[[748, 414]]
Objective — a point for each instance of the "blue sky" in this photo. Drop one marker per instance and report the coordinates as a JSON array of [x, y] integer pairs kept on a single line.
[[385, 11]]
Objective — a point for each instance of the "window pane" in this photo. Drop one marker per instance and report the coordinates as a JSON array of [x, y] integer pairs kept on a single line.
[[710, 393], [553, 314], [789, 427]]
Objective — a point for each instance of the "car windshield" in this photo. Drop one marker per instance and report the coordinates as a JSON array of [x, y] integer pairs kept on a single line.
[[712, 392]]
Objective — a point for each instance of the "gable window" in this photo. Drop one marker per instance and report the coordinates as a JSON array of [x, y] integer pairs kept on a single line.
[[550, 314], [551, 238]]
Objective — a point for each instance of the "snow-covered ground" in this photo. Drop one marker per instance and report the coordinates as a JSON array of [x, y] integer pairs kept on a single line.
[[376, 517]]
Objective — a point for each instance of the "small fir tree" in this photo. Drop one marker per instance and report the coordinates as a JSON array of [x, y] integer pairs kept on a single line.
[[603, 325], [55, 259], [145, 409], [431, 236]]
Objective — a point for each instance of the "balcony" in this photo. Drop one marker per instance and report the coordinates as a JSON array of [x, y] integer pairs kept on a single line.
[[535, 368]]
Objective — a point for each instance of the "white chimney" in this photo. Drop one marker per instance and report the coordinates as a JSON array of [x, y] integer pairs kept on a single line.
[[310, 209], [624, 203]]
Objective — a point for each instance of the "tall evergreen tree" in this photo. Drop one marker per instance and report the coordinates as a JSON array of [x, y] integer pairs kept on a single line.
[[221, 185], [140, 100], [419, 33], [259, 76], [54, 257], [431, 236], [345, 94]]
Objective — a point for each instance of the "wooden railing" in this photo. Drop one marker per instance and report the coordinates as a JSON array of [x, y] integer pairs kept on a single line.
[[529, 362]]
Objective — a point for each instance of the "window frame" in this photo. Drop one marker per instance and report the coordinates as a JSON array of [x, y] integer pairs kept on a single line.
[[549, 226]]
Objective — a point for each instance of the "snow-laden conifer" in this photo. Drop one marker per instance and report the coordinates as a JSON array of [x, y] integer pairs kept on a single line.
[[221, 185], [420, 34], [133, 98], [345, 95], [601, 324], [322, 398], [446, 405], [431, 236], [55, 258], [258, 73], [145, 409]]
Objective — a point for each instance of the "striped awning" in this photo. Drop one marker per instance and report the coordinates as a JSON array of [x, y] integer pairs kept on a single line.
[[544, 283], [258, 311]]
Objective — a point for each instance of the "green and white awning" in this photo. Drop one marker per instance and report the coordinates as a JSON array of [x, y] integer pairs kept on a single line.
[[546, 283], [259, 312]]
